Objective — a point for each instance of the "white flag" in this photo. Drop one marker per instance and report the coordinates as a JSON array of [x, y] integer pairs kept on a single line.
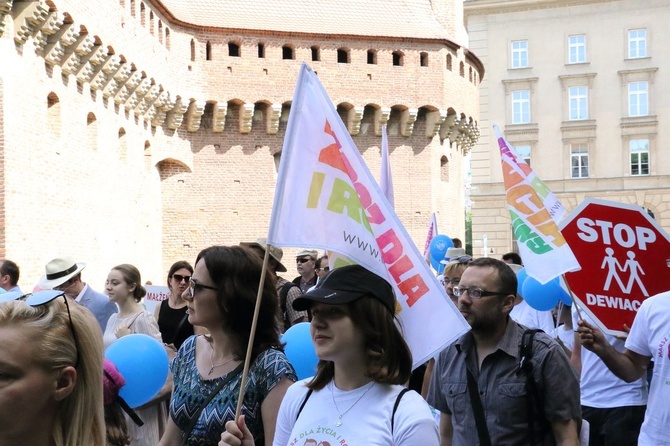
[[327, 198], [385, 180]]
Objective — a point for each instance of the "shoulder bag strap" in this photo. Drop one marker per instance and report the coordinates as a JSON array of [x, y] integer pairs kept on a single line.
[[187, 432], [309, 393], [395, 406], [178, 329], [478, 409]]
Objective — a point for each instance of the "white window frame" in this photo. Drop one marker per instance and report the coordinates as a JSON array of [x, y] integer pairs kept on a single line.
[[635, 150], [579, 160], [521, 107], [577, 48], [525, 152], [519, 54], [637, 43], [578, 103], [638, 98]]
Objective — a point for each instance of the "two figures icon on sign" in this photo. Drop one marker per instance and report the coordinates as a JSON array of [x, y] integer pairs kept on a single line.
[[614, 267]]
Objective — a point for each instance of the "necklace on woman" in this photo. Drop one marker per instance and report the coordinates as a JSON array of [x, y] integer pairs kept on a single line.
[[211, 361], [338, 423]]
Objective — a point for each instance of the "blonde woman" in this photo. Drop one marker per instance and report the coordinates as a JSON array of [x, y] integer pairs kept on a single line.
[[50, 373], [124, 288]]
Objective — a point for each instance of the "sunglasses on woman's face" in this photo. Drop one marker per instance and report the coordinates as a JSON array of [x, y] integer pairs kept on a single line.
[[178, 278], [40, 298]]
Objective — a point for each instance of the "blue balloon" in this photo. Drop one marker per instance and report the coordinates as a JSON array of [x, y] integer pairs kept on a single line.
[[520, 279], [541, 297], [437, 265], [299, 350], [439, 245], [143, 362]]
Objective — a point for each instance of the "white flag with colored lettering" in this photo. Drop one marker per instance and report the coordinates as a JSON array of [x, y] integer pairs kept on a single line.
[[327, 198]]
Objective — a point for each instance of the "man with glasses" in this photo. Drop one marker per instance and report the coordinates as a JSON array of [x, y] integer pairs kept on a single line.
[[305, 263], [479, 383], [64, 274]]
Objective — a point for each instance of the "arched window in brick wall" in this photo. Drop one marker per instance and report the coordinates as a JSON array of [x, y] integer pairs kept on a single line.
[[160, 30], [92, 131], [316, 53], [132, 8], [122, 145], [53, 115], [372, 57], [261, 50], [462, 69], [343, 55], [143, 14], [208, 51], [233, 49], [449, 62], [167, 37], [423, 59], [444, 169], [192, 50], [287, 52], [151, 22], [397, 58]]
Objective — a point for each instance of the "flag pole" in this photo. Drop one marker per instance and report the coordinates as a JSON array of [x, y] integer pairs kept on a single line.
[[572, 297], [252, 334]]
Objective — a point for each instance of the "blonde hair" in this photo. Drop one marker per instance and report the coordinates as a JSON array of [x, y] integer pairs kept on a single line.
[[79, 419]]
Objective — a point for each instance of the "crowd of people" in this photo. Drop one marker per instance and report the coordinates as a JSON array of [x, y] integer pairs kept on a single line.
[[517, 377]]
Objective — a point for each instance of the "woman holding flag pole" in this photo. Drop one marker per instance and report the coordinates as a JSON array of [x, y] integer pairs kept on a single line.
[[358, 394], [229, 294]]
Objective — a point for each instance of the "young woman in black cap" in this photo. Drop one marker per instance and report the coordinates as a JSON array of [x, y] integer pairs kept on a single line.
[[358, 395]]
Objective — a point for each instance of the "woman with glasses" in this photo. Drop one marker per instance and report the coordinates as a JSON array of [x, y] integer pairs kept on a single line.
[[50, 373], [357, 396], [171, 314], [207, 369], [452, 275], [124, 288]]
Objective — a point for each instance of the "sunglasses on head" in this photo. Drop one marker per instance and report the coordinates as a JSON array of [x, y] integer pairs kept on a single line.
[[179, 278], [303, 259], [40, 298], [461, 259]]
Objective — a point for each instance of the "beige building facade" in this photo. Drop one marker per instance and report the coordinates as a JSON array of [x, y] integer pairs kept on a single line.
[[582, 90], [141, 132]]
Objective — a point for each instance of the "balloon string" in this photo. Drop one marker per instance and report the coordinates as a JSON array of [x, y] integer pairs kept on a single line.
[[252, 334], [572, 296]]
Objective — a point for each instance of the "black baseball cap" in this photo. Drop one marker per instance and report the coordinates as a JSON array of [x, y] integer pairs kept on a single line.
[[346, 284]]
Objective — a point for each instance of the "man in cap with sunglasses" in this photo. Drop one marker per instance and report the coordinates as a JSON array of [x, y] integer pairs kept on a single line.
[[287, 291], [64, 274], [481, 386]]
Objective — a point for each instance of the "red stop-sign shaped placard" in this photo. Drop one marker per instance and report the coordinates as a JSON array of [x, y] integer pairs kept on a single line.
[[625, 258]]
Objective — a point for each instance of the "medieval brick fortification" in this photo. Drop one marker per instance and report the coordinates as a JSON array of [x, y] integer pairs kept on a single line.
[[142, 131]]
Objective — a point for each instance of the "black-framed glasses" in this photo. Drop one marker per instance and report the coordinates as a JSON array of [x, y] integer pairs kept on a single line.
[[475, 293], [179, 278], [303, 259], [194, 286], [40, 298]]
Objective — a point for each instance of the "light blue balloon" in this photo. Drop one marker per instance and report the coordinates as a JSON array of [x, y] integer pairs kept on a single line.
[[143, 362], [541, 297], [299, 350], [439, 245], [520, 279]]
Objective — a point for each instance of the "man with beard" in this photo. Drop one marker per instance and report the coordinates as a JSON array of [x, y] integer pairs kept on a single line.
[[480, 383]]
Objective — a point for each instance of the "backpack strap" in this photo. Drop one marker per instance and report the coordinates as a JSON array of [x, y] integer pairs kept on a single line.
[[395, 406], [533, 399]]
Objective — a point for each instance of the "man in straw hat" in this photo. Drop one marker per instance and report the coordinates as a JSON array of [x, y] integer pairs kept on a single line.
[[64, 274], [287, 291]]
